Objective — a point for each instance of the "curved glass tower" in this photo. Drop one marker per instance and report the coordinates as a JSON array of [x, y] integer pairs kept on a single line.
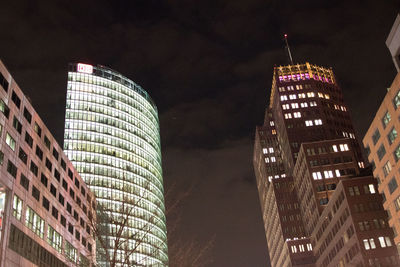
[[112, 138]]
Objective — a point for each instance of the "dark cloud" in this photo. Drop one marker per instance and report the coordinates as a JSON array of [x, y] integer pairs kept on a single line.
[[208, 66]]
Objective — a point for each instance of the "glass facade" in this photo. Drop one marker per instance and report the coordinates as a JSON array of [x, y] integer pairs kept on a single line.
[[112, 137]]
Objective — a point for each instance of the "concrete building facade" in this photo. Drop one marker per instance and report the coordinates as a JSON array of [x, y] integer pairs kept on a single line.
[[46, 209]]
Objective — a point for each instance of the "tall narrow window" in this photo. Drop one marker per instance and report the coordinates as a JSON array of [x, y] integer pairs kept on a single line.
[[392, 135], [27, 115], [386, 119], [376, 136], [17, 207], [10, 141]]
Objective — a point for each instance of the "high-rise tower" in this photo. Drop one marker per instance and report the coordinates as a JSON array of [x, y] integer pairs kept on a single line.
[[112, 138], [304, 151]]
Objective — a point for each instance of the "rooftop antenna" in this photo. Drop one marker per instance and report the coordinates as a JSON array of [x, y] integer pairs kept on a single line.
[[288, 49]]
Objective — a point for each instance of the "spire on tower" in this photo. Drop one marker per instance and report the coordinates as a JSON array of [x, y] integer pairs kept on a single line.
[[288, 49]]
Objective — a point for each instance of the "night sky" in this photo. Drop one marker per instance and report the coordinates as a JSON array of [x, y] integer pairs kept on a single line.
[[208, 66]]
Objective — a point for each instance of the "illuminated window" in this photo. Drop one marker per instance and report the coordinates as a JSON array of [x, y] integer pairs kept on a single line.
[[313, 104], [17, 208], [295, 105], [34, 222], [4, 109], [396, 153], [266, 160], [37, 129], [371, 189], [294, 249], [387, 168], [273, 159], [271, 123], [327, 96], [309, 247], [54, 238], [328, 174], [372, 243], [310, 94], [309, 123], [292, 96], [288, 115], [297, 114], [302, 95], [283, 97], [396, 100], [337, 172], [392, 135], [10, 141], [285, 106], [335, 149], [388, 242], [317, 175], [301, 248], [344, 147], [386, 119], [70, 252], [320, 95], [265, 151], [271, 150], [304, 105], [366, 244], [318, 122]]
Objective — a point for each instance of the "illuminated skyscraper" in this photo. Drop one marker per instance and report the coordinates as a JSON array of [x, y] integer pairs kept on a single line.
[[112, 138], [303, 152]]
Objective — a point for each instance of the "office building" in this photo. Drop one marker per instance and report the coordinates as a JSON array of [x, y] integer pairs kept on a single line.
[[381, 142], [353, 230], [112, 138], [314, 147], [383, 148], [279, 204], [46, 209]]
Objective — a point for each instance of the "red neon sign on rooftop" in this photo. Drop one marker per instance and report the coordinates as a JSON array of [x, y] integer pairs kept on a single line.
[[85, 68]]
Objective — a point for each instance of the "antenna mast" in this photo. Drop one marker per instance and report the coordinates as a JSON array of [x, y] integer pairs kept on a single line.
[[288, 49]]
